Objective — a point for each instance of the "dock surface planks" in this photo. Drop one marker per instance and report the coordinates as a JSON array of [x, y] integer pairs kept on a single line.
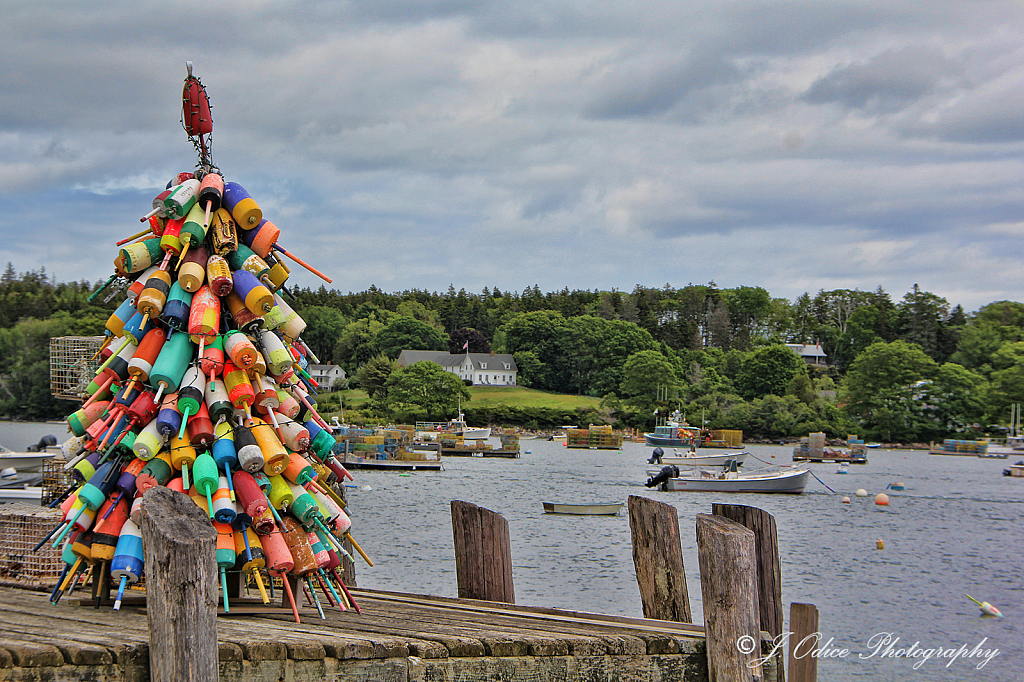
[[398, 637]]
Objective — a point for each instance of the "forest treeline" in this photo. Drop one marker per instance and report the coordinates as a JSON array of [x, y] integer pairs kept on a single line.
[[911, 369]]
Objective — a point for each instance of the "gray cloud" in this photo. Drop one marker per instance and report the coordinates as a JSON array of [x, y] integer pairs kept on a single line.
[[409, 144]]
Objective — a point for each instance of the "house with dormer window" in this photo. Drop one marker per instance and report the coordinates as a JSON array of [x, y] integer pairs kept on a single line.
[[480, 369]]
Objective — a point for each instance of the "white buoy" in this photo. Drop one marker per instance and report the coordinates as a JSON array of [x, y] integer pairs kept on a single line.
[[846, 500], [861, 492], [881, 499]]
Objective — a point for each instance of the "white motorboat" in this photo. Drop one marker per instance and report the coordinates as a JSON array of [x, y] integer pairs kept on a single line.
[[699, 458], [670, 478]]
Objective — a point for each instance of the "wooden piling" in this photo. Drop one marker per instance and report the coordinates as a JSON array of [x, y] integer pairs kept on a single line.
[[769, 576], [181, 587], [803, 622], [483, 553], [728, 581], [658, 558]]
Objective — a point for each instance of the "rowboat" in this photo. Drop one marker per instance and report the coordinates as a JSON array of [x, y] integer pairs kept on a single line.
[[583, 509], [671, 479]]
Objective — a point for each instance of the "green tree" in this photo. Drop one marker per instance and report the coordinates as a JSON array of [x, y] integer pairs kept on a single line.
[[884, 390], [426, 386], [324, 327], [355, 346], [956, 399], [645, 372], [541, 333], [408, 333], [372, 377], [768, 371]]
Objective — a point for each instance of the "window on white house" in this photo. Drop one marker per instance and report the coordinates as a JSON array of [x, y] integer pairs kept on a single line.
[[483, 365]]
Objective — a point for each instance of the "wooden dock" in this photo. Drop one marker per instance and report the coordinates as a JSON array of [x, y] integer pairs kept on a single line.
[[398, 637]]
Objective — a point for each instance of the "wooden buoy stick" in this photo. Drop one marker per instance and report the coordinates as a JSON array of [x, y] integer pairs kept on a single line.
[[102, 287], [184, 252], [259, 584], [291, 597], [106, 342], [304, 264], [316, 599], [348, 595], [359, 549], [140, 234]]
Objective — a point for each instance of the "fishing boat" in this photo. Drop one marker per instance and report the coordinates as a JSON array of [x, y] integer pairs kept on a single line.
[[701, 458], [583, 509], [671, 479], [674, 433]]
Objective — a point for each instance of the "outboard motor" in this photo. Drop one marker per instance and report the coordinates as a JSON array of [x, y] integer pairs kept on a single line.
[[656, 456], [667, 472], [46, 441]]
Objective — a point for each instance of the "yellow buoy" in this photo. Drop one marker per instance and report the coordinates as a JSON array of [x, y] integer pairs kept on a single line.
[[879, 544]]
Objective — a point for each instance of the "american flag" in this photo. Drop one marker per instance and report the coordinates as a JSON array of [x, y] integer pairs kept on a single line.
[[465, 346]]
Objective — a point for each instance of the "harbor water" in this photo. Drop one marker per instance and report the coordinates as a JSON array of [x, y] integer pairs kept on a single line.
[[955, 530]]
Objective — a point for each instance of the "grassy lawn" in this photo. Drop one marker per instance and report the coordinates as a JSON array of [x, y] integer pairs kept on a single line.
[[483, 396], [519, 396]]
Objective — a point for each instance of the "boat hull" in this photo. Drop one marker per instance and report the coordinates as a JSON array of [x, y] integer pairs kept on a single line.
[[583, 509], [792, 482], [706, 460], [24, 461]]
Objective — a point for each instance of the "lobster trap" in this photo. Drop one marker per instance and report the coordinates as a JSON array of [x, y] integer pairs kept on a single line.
[[21, 527], [73, 363]]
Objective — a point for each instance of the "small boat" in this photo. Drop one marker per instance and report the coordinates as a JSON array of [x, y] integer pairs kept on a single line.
[[20, 487], [698, 458], [844, 468], [671, 479], [31, 460], [583, 509], [872, 446]]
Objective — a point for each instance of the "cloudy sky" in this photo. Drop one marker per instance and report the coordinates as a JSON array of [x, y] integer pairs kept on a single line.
[[415, 144]]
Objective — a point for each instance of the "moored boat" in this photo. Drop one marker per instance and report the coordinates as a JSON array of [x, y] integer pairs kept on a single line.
[[701, 458], [583, 509], [671, 479]]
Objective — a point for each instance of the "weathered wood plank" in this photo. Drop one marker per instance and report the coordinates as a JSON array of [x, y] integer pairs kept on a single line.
[[181, 587], [769, 572], [483, 553], [658, 558], [728, 580], [803, 622]]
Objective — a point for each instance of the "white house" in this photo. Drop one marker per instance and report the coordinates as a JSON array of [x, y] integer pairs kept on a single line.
[[812, 354], [330, 377], [494, 369]]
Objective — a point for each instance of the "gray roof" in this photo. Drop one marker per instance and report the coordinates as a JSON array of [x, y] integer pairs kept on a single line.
[[807, 350], [445, 359]]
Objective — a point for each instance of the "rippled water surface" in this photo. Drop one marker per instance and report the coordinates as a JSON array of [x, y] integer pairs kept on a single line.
[[955, 530]]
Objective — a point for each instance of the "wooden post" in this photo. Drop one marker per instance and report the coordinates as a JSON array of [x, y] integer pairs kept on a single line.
[[803, 622], [769, 576], [181, 587], [483, 553], [728, 583], [658, 558]]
